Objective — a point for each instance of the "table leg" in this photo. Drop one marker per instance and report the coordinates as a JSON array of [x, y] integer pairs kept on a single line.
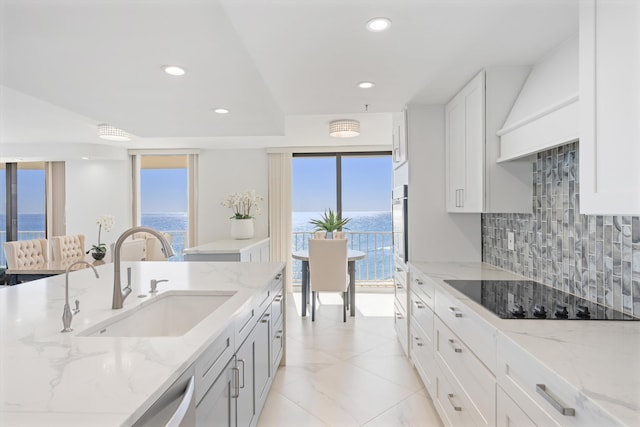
[[352, 288], [305, 287]]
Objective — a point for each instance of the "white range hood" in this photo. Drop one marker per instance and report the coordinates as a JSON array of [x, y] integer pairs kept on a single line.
[[546, 113]]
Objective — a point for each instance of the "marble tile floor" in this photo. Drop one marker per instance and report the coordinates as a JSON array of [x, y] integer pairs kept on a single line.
[[346, 374]]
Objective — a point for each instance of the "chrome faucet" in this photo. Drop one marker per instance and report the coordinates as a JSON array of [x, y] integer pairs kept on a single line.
[[67, 314], [119, 294]]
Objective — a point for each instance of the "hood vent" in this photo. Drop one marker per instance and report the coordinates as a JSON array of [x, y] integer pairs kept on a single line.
[[545, 114]]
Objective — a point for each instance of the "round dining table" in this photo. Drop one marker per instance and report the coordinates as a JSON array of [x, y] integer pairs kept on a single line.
[[352, 255]]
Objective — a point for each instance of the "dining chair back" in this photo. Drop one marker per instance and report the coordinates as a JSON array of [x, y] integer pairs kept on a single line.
[[339, 235], [132, 250], [328, 270], [153, 247], [24, 254], [319, 234], [68, 247]]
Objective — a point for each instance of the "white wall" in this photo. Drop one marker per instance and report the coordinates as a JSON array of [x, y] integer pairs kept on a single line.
[[434, 234], [93, 188], [223, 172]]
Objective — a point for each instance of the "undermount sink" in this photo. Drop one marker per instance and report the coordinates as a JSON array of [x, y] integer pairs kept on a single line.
[[168, 315]]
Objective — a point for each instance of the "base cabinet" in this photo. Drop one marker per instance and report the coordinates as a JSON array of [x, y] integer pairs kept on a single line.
[[218, 406]]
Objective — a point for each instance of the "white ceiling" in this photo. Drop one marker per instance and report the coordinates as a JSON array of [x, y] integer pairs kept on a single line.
[[283, 67]]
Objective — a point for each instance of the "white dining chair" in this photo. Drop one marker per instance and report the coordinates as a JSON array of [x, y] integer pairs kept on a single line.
[[319, 234], [25, 254], [67, 247], [328, 271], [339, 235]]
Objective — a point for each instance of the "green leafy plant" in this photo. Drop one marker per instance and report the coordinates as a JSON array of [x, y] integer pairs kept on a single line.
[[330, 222]]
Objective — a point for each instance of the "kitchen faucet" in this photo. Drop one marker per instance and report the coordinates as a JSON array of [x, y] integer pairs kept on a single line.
[[67, 314], [119, 294]]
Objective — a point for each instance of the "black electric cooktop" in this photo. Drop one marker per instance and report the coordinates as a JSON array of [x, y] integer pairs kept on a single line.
[[526, 299]]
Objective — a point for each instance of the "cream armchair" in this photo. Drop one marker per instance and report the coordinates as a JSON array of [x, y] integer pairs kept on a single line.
[[24, 254], [328, 270], [153, 247], [65, 248]]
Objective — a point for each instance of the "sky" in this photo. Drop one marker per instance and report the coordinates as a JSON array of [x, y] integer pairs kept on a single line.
[[366, 183], [31, 187], [163, 190]]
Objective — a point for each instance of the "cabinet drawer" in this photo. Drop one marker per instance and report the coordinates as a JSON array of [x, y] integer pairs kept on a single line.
[[400, 283], [421, 314], [423, 287], [277, 306], [475, 380], [263, 299], [544, 396], [244, 324], [453, 406], [277, 345], [478, 335], [401, 326], [509, 414], [421, 354], [212, 362]]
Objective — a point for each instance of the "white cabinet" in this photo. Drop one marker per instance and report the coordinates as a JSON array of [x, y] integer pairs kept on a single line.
[[474, 181], [217, 407], [509, 414], [399, 138], [401, 324], [610, 107], [249, 250]]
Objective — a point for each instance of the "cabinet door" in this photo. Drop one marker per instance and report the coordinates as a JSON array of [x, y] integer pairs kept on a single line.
[[399, 123], [610, 107], [262, 373], [246, 400], [218, 406], [464, 117], [509, 414]]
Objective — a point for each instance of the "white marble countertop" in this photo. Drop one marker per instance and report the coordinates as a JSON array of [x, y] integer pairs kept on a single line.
[[61, 379], [599, 358], [226, 246]]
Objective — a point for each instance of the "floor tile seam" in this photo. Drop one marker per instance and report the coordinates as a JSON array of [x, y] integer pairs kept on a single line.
[[414, 373], [417, 392], [300, 407]]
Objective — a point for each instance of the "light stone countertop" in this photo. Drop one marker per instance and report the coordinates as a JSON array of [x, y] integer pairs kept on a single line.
[[60, 379], [601, 359], [226, 246]]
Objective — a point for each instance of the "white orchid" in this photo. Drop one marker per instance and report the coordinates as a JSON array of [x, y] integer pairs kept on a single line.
[[105, 221], [242, 204]]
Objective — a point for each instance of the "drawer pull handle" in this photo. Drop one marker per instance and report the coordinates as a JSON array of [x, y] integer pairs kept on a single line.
[[399, 286], [419, 304], [278, 298], [542, 390], [278, 276], [455, 312], [419, 342], [265, 318], [453, 345], [399, 316], [236, 375], [455, 407], [419, 282], [279, 334]]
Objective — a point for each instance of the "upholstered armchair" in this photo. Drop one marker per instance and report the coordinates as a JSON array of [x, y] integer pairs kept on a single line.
[[65, 248], [25, 254]]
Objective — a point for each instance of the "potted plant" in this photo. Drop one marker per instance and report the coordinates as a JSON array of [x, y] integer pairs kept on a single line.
[[99, 250], [243, 206], [330, 222]]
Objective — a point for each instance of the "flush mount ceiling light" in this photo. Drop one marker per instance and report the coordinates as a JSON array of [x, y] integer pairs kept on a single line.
[[378, 24], [366, 85], [344, 128], [112, 133], [173, 70], [221, 111]]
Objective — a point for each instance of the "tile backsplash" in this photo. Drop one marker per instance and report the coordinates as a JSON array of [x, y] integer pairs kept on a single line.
[[594, 257]]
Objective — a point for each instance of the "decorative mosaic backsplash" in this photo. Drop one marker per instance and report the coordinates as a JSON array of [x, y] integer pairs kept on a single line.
[[594, 257]]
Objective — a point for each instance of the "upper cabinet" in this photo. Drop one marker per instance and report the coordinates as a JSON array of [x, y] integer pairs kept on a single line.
[[474, 181], [610, 107], [399, 123]]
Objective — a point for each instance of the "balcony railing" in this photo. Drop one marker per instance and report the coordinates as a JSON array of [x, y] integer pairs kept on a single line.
[[377, 266], [179, 237]]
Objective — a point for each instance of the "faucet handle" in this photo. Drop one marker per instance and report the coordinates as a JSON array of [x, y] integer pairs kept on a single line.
[[77, 309]]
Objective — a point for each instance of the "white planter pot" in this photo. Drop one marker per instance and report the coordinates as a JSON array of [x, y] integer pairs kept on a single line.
[[242, 228]]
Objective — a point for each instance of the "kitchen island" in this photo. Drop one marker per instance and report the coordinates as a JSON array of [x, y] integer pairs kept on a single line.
[[551, 372], [54, 379]]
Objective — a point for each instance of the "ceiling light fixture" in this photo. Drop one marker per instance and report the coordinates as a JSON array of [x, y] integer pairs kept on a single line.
[[344, 128], [378, 24], [221, 111], [174, 70], [112, 133], [366, 85]]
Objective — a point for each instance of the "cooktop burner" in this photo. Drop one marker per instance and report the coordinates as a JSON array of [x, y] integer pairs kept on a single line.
[[526, 299]]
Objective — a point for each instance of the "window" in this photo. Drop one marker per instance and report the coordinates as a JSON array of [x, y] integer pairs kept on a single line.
[[356, 186], [163, 199], [27, 213]]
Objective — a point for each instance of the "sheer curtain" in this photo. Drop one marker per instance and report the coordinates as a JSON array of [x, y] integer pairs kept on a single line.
[[280, 211]]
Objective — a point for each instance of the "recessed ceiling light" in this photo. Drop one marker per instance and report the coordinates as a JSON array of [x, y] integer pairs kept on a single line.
[[84, 158], [366, 85], [378, 24], [173, 70], [221, 111]]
